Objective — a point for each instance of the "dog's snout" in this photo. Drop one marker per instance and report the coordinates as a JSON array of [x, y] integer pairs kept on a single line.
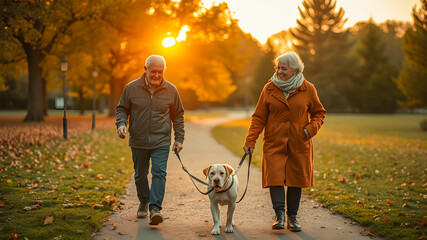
[[216, 180]]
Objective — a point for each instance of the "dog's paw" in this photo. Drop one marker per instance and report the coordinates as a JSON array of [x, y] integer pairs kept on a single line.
[[229, 229], [215, 231], [232, 223]]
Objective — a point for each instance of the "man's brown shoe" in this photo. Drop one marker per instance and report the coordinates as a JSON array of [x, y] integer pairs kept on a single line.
[[155, 217], [142, 210]]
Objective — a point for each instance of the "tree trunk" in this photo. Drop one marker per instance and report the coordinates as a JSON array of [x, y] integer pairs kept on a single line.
[[45, 99], [117, 85], [35, 84]]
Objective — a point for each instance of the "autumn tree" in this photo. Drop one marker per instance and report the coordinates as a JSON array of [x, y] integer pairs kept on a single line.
[[139, 34], [211, 55], [412, 78], [37, 26], [323, 46]]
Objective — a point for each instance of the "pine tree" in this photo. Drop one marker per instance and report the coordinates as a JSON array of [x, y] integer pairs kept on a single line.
[[324, 47], [412, 80], [374, 89]]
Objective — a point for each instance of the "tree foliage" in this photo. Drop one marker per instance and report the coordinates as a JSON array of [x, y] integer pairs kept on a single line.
[[264, 70], [412, 79], [36, 27], [117, 36]]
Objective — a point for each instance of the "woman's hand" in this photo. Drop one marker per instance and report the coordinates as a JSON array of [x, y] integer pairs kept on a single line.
[[248, 150]]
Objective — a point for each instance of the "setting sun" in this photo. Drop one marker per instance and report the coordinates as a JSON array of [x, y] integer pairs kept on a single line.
[[168, 42]]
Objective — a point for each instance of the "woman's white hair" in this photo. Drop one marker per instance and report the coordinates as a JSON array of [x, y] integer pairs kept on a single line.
[[292, 58], [155, 59]]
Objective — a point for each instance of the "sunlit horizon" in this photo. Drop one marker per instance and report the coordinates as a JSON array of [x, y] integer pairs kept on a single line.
[[263, 19]]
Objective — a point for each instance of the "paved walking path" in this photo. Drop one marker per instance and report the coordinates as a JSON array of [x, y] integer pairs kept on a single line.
[[187, 213]]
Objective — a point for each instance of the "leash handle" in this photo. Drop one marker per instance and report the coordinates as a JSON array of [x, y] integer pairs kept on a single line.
[[249, 169]]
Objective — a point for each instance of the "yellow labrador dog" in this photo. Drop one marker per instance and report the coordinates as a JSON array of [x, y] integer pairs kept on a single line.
[[223, 186]]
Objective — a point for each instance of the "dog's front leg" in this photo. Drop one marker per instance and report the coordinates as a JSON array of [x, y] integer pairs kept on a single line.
[[216, 218], [230, 221]]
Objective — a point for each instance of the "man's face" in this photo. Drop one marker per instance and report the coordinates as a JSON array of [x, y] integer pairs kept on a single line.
[[154, 73], [284, 71]]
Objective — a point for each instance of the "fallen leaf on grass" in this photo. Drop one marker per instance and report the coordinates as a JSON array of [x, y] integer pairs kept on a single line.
[[323, 227], [203, 235], [120, 233], [97, 206], [14, 236], [358, 176], [405, 205], [359, 202], [388, 202], [48, 220], [385, 220], [422, 223]]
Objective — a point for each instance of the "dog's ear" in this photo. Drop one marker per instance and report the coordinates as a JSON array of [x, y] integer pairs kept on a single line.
[[228, 169], [206, 171]]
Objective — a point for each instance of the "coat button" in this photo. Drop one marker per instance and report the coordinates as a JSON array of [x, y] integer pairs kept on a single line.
[[288, 122], [286, 136]]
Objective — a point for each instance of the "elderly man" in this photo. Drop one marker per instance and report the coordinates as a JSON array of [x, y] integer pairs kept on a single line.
[[153, 106]]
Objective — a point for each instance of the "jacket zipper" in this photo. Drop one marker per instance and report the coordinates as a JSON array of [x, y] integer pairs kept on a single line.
[[149, 124]]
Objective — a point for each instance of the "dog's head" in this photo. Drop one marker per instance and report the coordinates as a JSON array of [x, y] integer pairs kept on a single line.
[[218, 175]]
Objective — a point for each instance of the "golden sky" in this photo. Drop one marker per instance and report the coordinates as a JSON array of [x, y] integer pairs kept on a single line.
[[263, 18]]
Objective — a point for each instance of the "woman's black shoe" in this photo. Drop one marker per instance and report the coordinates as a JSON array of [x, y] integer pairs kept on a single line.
[[280, 220], [293, 224]]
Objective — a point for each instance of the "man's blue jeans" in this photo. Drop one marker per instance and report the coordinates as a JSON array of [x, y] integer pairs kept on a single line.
[[141, 164]]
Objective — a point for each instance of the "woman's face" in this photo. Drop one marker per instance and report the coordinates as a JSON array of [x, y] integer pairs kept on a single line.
[[284, 71]]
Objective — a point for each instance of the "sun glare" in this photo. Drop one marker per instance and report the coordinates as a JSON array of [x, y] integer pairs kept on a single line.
[[168, 42], [182, 33]]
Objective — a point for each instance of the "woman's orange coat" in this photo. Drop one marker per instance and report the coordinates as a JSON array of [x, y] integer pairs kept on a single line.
[[287, 153]]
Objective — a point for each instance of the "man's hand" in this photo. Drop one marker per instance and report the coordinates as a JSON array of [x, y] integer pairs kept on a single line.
[[178, 146], [248, 150], [121, 132]]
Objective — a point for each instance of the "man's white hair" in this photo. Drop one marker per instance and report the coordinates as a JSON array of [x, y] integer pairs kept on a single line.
[[293, 59], [155, 59]]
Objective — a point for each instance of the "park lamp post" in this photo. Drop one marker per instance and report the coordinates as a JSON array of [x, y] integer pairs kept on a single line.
[[95, 75], [64, 67]]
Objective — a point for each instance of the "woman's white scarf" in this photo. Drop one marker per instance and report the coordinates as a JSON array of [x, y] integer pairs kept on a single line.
[[289, 86]]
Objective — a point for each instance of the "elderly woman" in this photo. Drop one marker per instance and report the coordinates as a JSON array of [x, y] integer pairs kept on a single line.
[[291, 114]]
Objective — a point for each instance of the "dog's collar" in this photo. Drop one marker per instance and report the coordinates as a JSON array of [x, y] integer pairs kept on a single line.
[[223, 191]]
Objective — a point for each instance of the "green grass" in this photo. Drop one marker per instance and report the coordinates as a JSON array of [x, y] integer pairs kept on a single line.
[[91, 169], [371, 168]]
